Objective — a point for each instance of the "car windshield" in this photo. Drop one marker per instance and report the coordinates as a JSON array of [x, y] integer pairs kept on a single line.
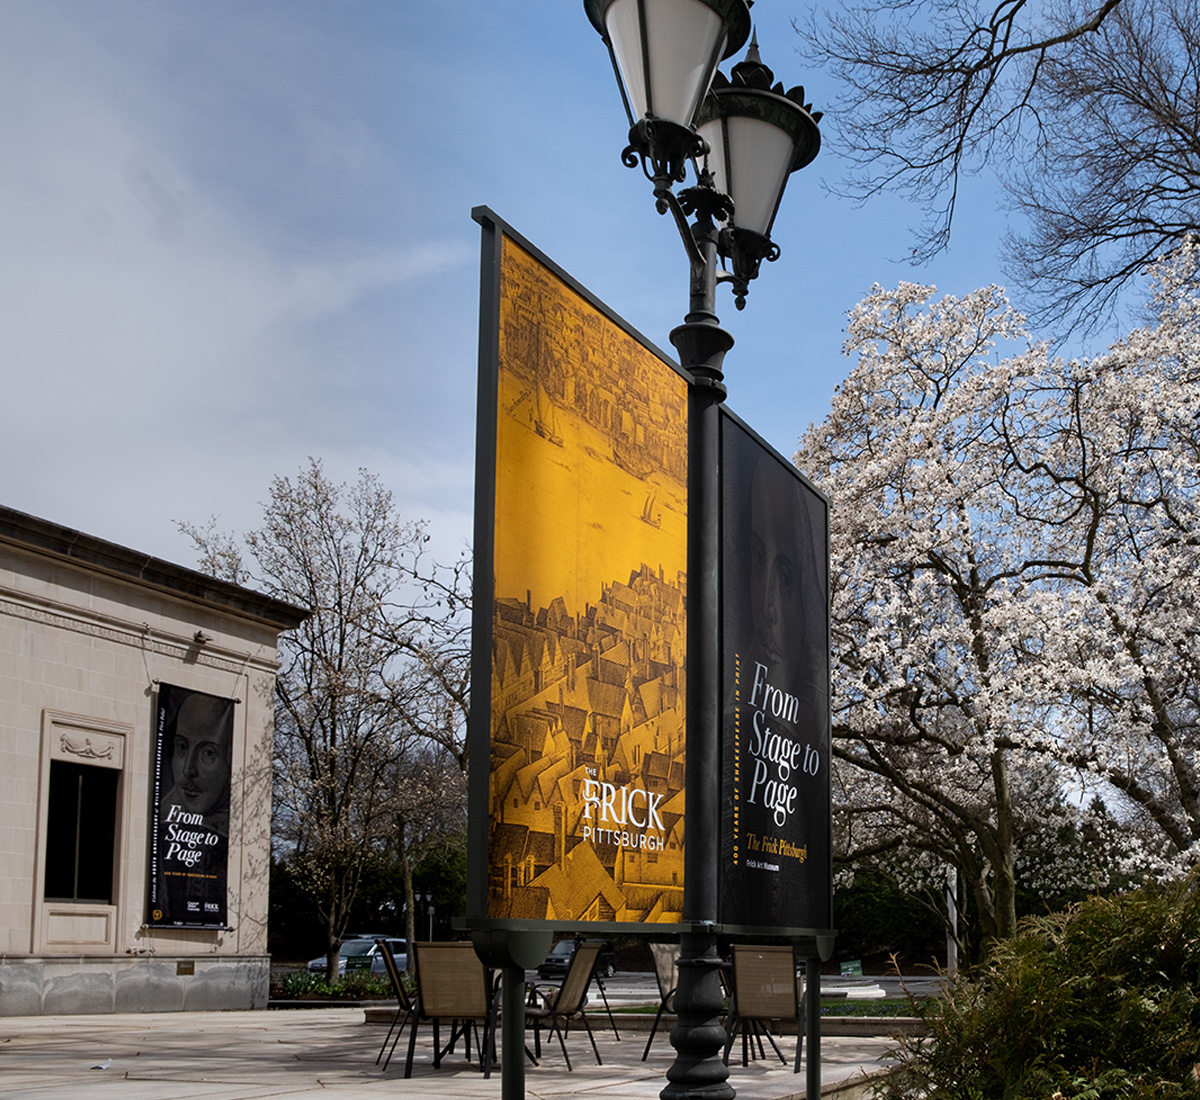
[[564, 948], [358, 947]]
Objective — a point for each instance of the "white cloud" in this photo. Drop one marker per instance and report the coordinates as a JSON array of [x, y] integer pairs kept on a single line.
[[161, 351], [234, 235]]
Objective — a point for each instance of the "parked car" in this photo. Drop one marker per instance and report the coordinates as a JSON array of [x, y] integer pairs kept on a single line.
[[555, 964], [362, 953]]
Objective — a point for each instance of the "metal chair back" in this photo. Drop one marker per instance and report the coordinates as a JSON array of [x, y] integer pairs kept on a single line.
[[576, 980], [764, 982], [666, 973], [764, 989], [451, 982], [568, 1001], [404, 1004], [452, 986]]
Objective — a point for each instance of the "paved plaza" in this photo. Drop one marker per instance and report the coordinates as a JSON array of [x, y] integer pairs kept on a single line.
[[330, 1053]]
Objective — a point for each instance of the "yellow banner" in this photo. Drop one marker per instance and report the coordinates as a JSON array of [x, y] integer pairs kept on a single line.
[[589, 630]]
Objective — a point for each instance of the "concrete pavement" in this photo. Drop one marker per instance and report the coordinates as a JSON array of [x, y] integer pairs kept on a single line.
[[330, 1053]]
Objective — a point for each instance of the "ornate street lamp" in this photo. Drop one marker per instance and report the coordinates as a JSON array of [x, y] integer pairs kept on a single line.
[[744, 141], [665, 53], [757, 136]]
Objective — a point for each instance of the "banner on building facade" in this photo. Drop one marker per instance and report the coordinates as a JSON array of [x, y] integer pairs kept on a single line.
[[776, 835], [579, 622], [189, 832]]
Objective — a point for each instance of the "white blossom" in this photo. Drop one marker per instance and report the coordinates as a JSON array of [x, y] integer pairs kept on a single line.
[[1016, 590]]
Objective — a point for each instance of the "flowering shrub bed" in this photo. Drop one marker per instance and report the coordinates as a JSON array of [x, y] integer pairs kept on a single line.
[[356, 986]]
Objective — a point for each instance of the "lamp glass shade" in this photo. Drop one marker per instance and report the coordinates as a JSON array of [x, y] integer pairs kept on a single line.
[[750, 161], [684, 41]]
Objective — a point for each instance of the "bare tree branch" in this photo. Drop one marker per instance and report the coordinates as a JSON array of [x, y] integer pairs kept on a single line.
[[373, 691], [1088, 111]]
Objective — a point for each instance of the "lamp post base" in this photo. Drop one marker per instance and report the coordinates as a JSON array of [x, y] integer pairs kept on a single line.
[[698, 1072]]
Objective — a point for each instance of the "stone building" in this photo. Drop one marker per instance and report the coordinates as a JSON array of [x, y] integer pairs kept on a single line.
[[88, 633]]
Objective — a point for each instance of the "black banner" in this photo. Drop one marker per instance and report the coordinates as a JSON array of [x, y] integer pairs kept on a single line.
[[776, 852], [189, 833]]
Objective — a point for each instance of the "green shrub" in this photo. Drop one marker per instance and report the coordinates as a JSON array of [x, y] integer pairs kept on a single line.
[[876, 918], [361, 984], [304, 984], [1101, 1002], [358, 985]]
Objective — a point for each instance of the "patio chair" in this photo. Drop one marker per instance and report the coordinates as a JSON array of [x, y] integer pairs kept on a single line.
[[598, 980], [404, 1004], [565, 1003], [765, 990], [452, 987], [600, 971], [666, 971]]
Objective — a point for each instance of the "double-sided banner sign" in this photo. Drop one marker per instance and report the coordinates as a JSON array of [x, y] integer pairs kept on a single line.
[[775, 866], [579, 730], [189, 831]]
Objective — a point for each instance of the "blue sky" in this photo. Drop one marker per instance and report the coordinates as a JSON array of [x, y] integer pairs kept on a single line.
[[236, 234]]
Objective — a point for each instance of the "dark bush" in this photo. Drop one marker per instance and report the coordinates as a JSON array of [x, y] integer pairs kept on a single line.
[[1101, 1002], [357, 986], [875, 920]]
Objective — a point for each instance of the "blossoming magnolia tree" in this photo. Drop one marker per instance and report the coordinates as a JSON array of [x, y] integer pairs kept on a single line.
[[1016, 567]]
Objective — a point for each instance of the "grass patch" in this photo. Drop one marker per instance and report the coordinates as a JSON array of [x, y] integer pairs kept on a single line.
[[892, 1006]]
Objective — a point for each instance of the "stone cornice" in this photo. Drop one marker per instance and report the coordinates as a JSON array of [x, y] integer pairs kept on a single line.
[[21, 605], [88, 552]]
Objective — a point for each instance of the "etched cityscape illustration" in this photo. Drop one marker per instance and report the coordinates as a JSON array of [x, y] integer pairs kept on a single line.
[[589, 630]]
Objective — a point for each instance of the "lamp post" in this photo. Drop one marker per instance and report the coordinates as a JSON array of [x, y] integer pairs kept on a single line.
[[743, 136], [426, 897]]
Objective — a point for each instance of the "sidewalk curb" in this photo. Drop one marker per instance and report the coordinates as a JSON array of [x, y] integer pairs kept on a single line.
[[642, 1023]]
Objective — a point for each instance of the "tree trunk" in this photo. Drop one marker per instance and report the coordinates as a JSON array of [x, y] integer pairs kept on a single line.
[[1004, 871], [333, 941], [410, 902]]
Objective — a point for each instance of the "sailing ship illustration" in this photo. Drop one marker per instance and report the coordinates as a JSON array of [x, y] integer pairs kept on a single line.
[[542, 416], [545, 421]]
